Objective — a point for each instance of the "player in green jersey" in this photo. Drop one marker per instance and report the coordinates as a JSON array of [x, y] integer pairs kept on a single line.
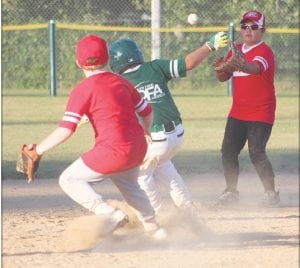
[[151, 80]]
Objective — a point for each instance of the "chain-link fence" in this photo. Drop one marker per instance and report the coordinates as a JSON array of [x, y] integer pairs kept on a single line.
[[25, 45]]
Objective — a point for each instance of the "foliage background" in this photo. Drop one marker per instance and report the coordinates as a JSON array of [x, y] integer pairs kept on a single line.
[[25, 53]]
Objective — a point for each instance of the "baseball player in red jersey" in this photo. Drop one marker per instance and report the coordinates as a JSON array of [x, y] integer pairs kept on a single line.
[[111, 103], [252, 112]]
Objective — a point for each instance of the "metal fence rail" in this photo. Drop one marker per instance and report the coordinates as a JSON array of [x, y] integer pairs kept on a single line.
[[25, 44]]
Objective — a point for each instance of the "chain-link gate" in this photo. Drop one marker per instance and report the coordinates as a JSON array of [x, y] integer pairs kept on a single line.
[[25, 44]]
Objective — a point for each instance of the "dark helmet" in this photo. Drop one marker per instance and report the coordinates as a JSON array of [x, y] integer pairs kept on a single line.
[[124, 53]]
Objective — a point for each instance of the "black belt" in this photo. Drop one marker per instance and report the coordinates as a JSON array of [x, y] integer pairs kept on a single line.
[[166, 127], [169, 127], [178, 135]]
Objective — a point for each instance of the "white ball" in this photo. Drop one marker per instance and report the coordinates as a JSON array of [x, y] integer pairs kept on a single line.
[[193, 19]]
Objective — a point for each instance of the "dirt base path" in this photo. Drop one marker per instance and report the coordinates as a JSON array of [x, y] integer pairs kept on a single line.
[[35, 219]]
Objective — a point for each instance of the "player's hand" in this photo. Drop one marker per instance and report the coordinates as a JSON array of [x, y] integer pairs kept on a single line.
[[28, 161], [148, 138], [218, 61], [217, 41]]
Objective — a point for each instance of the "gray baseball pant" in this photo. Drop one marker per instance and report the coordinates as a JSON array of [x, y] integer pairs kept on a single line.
[[76, 181]]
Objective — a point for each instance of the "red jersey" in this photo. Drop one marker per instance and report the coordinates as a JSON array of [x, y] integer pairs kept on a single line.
[[254, 94], [110, 102]]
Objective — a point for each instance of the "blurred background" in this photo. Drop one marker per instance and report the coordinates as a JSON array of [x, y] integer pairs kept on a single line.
[[25, 36]]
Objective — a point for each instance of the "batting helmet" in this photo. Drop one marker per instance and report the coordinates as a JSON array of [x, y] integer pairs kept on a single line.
[[124, 53]]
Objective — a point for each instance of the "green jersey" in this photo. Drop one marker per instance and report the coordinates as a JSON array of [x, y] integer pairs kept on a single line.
[[151, 80]]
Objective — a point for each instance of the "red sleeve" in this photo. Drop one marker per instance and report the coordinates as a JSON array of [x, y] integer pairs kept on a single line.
[[146, 111], [264, 60], [140, 105], [76, 107]]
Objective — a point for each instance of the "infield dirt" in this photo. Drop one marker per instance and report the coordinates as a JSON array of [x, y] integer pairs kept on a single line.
[[41, 227]]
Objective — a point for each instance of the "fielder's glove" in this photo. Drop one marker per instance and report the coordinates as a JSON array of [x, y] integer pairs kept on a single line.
[[235, 63], [217, 41], [28, 161]]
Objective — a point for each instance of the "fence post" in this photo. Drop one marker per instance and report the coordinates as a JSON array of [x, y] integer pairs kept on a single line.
[[155, 26], [231, 32], [52, 55]]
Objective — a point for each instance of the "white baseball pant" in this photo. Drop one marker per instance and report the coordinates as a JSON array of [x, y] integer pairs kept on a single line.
[[157, 166]]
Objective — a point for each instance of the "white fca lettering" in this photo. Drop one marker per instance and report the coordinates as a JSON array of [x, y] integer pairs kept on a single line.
[[151, 92]]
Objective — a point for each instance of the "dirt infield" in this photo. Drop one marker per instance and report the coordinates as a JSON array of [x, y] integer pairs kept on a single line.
[[36, 218]]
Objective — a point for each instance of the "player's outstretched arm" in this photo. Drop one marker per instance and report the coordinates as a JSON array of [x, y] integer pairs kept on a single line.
[[194, 58], [31, 154], [251, 68], [58, 136]]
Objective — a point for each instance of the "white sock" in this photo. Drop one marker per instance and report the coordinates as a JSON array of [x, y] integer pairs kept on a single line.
[[103, 208]]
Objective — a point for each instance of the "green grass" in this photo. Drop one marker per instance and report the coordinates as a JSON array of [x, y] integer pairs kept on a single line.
[[30, 116], [204, 117]]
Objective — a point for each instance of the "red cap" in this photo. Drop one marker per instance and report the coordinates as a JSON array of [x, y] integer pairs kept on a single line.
[[255, 16], [92, 51]]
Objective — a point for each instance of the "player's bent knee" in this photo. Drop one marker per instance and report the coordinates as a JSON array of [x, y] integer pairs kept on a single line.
[[64, 179]]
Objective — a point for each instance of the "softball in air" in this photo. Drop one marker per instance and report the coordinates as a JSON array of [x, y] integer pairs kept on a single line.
[[193, 19]]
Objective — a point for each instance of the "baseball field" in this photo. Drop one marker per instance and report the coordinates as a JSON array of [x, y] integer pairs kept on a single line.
[[42, 227]]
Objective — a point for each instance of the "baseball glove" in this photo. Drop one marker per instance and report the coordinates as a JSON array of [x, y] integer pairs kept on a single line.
[[234, 63], [28, 161]]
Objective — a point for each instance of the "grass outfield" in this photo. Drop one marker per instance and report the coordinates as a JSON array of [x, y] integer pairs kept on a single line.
[[28, 116]]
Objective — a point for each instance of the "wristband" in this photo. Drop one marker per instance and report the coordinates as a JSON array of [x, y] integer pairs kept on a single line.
[[210, 46]]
